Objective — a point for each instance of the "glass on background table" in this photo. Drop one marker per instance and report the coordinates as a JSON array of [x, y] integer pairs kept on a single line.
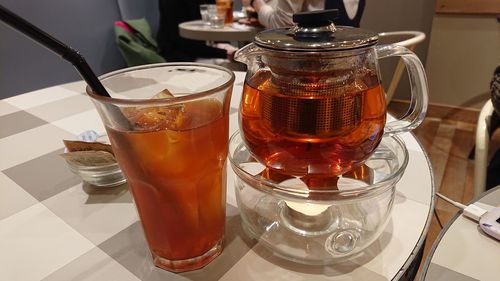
[[54, 227]]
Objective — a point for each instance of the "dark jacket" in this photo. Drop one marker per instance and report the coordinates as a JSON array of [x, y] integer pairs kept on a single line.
[[343, 18], [495, 90], [173, 47]]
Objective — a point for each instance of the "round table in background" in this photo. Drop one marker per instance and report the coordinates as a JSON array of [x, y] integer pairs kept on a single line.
[[197, 30], [462, 251]]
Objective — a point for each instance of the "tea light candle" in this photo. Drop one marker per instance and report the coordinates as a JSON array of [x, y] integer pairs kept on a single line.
[[308, 209]]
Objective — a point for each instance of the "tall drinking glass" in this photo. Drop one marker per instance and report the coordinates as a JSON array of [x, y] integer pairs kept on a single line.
[[226, 7], [168, 125], [204, 13]]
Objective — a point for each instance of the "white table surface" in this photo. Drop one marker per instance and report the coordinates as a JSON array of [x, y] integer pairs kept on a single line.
[[462, 251], [53, 227]]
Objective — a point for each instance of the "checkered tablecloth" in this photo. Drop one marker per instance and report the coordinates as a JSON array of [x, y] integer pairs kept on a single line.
[[53, 227]]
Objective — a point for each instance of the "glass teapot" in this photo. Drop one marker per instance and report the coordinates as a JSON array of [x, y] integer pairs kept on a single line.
[[313, 103]]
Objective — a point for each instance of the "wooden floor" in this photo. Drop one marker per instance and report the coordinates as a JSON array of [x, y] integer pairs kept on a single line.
[[447, 135]]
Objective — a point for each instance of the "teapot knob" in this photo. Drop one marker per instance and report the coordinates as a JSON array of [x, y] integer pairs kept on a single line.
[[315, 25]]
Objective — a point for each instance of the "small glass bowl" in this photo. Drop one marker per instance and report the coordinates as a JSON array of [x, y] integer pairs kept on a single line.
[[102, 176], [106, 175], [317, 226]]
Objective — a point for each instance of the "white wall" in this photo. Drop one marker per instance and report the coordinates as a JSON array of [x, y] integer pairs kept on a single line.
[[463, 53], [87, 26], [396, 15]]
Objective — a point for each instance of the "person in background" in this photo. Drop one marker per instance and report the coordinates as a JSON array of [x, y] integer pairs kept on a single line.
[[493, 170], [350, 11], [252, 16], [175, 48]]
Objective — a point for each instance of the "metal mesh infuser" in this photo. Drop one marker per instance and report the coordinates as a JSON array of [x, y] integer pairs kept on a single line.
[[314, 66], [319, 111]]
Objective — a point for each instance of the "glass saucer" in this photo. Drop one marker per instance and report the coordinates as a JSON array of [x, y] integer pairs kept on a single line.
[[317, 226]]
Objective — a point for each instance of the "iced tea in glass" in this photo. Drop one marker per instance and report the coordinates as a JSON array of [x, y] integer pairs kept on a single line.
[[168, 125], [226, 7]]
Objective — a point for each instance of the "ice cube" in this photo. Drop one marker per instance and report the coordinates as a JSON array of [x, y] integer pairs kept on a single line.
[[156, 117]]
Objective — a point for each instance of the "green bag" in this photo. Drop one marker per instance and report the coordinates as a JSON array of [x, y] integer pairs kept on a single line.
[[135, 42]]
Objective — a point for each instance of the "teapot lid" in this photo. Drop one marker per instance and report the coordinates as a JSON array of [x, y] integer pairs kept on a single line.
[[315, 31]]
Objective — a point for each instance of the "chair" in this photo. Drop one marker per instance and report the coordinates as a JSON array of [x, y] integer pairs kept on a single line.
[[483, 134], [408, 39]]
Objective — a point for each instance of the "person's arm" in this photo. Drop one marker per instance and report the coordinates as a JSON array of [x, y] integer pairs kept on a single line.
[[281, 15]]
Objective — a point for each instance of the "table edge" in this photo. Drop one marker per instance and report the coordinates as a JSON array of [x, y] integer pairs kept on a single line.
[[443, 232], [230, 35], [421, 241]]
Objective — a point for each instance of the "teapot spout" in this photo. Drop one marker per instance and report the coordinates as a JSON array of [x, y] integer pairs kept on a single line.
[[247, 53]]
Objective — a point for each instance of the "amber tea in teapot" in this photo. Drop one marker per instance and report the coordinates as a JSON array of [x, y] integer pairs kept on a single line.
[[316, 129], [313, 104]]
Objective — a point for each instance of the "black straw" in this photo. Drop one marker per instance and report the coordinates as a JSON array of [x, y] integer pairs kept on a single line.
[[56, 46]]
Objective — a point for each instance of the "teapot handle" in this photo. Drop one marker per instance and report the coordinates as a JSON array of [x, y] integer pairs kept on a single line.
[[419, 89]]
